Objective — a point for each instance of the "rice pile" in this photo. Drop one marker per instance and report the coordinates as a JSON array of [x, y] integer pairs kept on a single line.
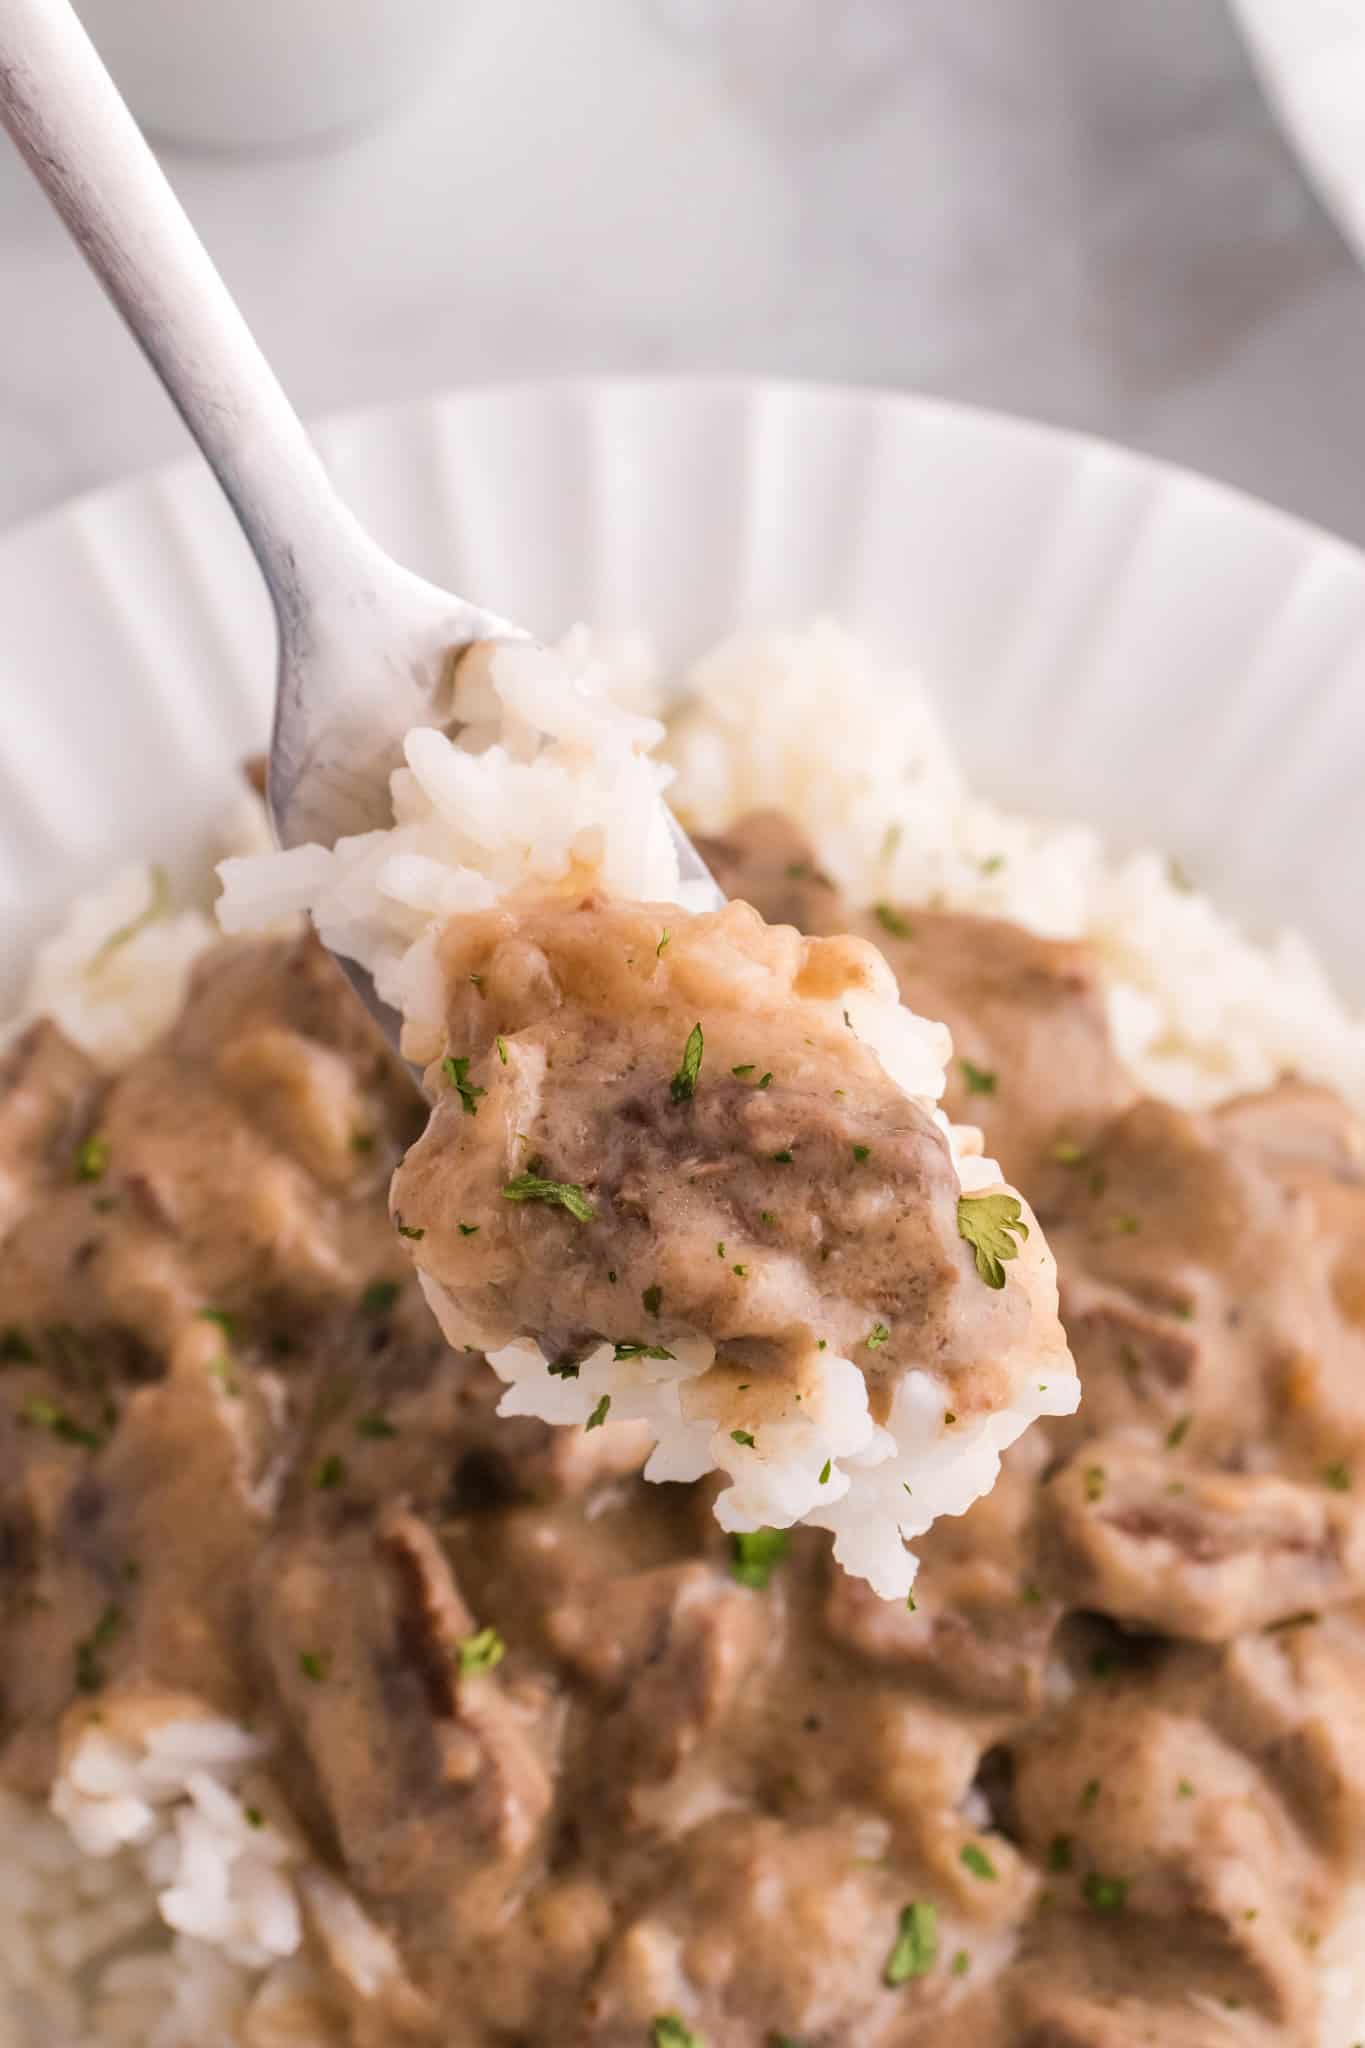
[[128, 1916]]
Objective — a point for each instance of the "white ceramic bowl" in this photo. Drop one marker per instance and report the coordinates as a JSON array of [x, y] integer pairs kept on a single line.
[[1311, 57], [264, 74], [1110, 638]]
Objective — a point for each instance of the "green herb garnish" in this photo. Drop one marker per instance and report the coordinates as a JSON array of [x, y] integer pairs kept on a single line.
[[1104, 1894], [331, 1473], [891, 921], [158, 904], [314, 1664], [532, 1187], [877, 1336], [990, 1224], [742, 1436], [563, 1368], [740, 1072], [456, 1072], [92, 1159], [379, 1297], [43, 1414], [683, 1086], [1059, 1853], [1338, 1477], [1178, 1431], [638, 1351], [409, 1230], [764, 1081], [15, 1348], [755, 1554], [468, 1229], [653, 1299], [668, 2031], [599, 1413], [825, 1471], [501, 1044], [90, 1672], [1094, 1482], [377, 1428], [782, 1159], [1068, 1153], [481, 1652], [915, 1950], [979, 1080], [974, 1858], [253, 1816]]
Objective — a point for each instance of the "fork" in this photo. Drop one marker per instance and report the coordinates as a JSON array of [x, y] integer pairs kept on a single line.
[[363, 644]]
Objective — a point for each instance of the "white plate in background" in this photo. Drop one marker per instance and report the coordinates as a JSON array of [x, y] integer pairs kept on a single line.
[[1311, 58], [1109, 637]]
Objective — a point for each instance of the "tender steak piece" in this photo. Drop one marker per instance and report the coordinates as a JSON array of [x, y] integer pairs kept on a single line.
[[1177, 1868], [796, 1194], [1164, 1545], [767, 862], [1034, 1062], [764, 1931]]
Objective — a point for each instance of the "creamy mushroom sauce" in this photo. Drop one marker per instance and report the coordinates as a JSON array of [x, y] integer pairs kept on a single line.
[[607, 1776]]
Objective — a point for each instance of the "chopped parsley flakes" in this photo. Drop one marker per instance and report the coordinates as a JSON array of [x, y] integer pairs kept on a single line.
[[782, 1159], [377, 1428], [599, 1413], [668, 2031], [532, 1187], [481, 1652], [92, 1159], [379, 1297], [90, 1672], [755, 1554], [664, 936], [635, 1351], [653, 1299], [1178, 1431], [1338, 1477], [1104, 1894], [1067, 1152], [1060, 1852], [331, 1473], [43, 1414], [1094, 1482], [990, 1225], [979, 1080], [740, 1072], [862, 1152], [501, 1044], [683, 1086], [877, 1336], [742, 1436], [314, 1665], [468, 1229], [891, 921], [825, 1471], [15, 1348], [974, 1858], [408, 1230], [764, 1081], [456, 1072], [915, 1949], [567, 1368]]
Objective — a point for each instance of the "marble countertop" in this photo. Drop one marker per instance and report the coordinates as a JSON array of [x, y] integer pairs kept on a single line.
[[1069, 209]]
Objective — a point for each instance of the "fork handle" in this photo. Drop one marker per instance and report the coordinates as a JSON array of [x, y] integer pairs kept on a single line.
[[70, 123]]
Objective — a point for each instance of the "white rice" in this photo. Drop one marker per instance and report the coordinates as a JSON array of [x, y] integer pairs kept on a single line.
[[89, 1954]]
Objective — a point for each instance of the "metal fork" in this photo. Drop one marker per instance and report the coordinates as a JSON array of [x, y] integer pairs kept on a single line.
[[363, 643]]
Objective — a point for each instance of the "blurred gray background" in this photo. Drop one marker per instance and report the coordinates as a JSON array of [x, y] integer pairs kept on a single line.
[[1080, 209]]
